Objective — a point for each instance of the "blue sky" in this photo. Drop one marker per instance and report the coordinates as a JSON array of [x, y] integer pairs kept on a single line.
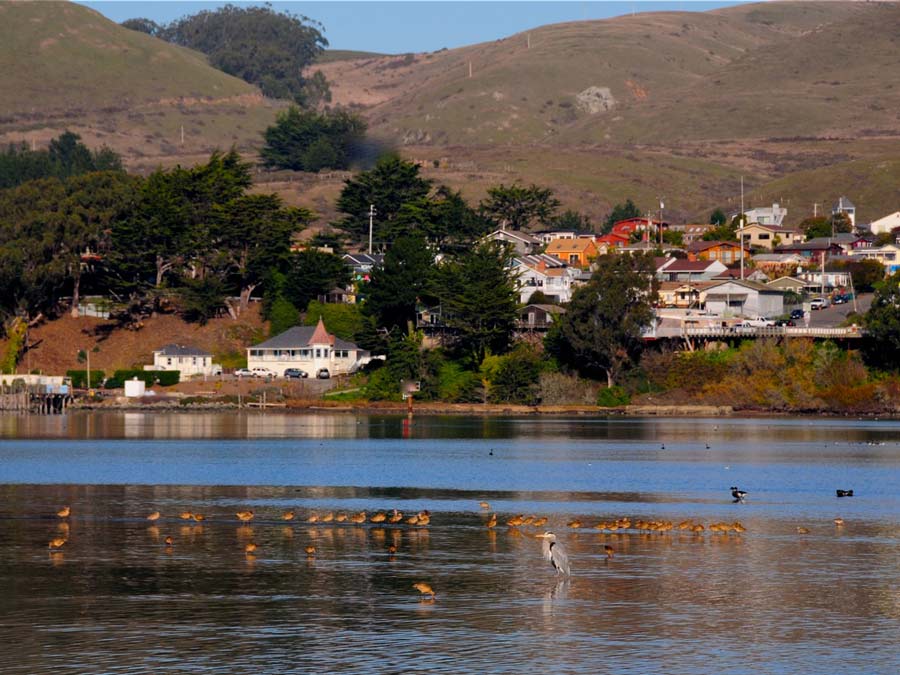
[[398, 27]]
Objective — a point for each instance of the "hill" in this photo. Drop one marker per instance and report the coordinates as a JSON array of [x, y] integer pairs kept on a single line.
[[63, 65]]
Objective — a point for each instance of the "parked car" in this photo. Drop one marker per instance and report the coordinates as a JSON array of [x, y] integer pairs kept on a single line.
[[243, 372], [838, 300], [758, 323], [797, 314], [785, 322], [295, 373], [323, 374], [259, 371], [818, 303]]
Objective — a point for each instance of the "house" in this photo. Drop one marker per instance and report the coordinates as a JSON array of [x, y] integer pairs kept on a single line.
[[533, 273], [814, 248], [764, 215], [787, 284], [748, 299], [547, 237], [846, 207], [186, 359], [769, 236], [576, 252], [676, 269], [362, 264], [889, 256], [538, 317], [690, 232], [610, 242], [309, 348], [629, 226], [824, 282], [682, 294], [726, 252], [777, 264], [748, 274], [521, 243], [888, 223]]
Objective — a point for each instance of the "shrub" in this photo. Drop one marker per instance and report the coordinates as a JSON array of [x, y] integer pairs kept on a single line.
[[515, 380], [79, 378], [560, 389], [611, 397], [168, 378], [457, 385], [382, 386]]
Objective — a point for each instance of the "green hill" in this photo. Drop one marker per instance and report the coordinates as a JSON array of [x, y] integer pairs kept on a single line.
[[64, 65]]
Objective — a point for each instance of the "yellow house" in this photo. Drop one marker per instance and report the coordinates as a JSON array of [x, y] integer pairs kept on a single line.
[[574, 252]]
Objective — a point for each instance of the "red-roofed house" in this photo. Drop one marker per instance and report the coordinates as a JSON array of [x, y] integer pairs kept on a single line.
[[686, 270], [309, 348]]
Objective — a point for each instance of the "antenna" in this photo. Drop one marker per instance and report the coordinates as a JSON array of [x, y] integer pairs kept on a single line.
[[470, 70], [528, 40]]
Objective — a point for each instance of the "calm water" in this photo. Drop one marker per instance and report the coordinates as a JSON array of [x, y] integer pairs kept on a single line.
[[117, 600]]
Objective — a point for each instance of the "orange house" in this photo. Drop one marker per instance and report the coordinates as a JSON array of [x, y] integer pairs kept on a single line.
[[577, 252]]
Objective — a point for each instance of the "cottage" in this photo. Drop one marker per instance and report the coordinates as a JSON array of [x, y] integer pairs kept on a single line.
[[186, 359], [534, 273], [311, 349], [675, 269], [682, 294], [521, 243], [788, 284], [538, 317], [749, 299], [769, 236], [888, 223], [576, 252], [726, 252]]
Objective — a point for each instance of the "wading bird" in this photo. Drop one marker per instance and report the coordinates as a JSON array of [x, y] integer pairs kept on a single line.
[[424, 589], [64, 512], [739, 495], [153, 516], [57, 543], [555, 553], [244, 516], [287, 515]]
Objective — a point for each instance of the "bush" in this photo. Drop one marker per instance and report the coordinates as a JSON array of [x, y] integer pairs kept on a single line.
[[168, 378], [342, 320], [457, 385], [560, 389], [382, 386], [282, 315], [611, 397], [165, 378], [79, 378], [515, 380]]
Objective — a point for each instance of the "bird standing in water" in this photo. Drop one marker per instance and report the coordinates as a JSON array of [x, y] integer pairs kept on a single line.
[[64, 512], [424, 589], [555, 553], [153, 516], [738, 495]]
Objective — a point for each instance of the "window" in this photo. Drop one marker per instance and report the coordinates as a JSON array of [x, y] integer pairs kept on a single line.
[[256, 352], [341, 353], [169, 362], [764, 236], [318, 353], [573, 259], [194, 360]]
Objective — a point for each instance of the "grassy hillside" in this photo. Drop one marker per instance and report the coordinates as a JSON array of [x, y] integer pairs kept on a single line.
[[63, 65]]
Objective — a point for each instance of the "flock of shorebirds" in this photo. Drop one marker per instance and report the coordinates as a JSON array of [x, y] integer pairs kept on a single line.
[[516, 525]]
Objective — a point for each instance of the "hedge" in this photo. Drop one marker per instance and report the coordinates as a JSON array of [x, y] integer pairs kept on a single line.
[[79, 378], [165, 378]]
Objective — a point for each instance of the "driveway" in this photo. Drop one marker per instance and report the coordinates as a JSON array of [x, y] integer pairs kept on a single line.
[[834, 315]]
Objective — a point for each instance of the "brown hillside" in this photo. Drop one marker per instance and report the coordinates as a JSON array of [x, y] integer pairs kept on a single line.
[[55, 344]]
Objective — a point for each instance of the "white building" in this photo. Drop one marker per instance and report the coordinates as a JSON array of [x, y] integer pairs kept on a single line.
[[747, 299], [846, 207], [764, 215], [186, 359], [308, 348], [886, 224], [521, 243], [889, 256]]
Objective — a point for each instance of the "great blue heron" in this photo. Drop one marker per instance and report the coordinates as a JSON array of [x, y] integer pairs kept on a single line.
[[555, 553]]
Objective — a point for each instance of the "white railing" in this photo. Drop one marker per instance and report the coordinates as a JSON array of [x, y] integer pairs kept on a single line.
[[773, 331]]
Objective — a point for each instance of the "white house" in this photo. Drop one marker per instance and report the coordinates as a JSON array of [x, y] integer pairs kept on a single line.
[[886, 224], [764, 215], [889, 256], [748, 299], [522, 243], [186, 359], [546, 274], [677, 269], [846, 207], [308, 348]]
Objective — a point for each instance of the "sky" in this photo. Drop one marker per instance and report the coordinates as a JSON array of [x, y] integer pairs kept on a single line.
[[419, 26]]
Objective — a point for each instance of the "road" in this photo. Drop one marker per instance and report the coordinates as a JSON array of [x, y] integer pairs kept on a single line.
[[834, 315]]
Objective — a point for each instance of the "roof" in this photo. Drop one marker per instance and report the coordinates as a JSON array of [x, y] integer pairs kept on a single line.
[[304, 336], [706, 245], [560, 245], [843, 203], [181, 350], [817, 244], [550, 309], [786, 281], [774, 228], [513, 234], [776, 257], [536, 259], [690, 265], [363, 259], [752, 285]]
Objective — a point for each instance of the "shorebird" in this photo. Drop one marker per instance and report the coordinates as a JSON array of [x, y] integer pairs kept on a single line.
[[153, 516], [312, 517], [199, 517], [392, 549], [839, 521], [396, 516], [64, 512], [169, 541], [424, 589], [287, 515], [379, 517], [250, 547], [555, 553], [738, 495], [358, 518], [340, 518], [492, 521], [515, 521], [327, 518], [610, 552], [802, 530], [244, 516], [186, 515], [574, 524], [310, 551], [57, 543]]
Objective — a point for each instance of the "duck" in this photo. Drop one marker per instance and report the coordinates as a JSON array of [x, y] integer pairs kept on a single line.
[[392, 549], [340, 517], [186, 515], [396, 516], [312, 517], [844, 493], [168, 541], [153, 516], [492, 521], [64, 512], [287, 515], [244, 516], [310, 551], [515, 521], [57, 543], [738, 495], [250, 547], [802, 530], [424, 589], [199, 517], [574, 524], [327, 518], [839, 521], [358, 518], [738, 527], [379, 517], [540, 522]]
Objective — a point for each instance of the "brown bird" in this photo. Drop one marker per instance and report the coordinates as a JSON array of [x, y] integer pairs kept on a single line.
[[802, 530], [379, 517], [392, 549], [250, 547], [424, 518], [610, 552], [839, 521], [358, 518], [396, 516], [327, 518], [424, 589], [186, 515], [312, 517], [244, 516], [64, 512], [515, 521], [153, 516], [738, 527], [412, 520], [199, 517], [492, 521], [540, 522], [287, 515], [340, 518], [57, 543], [169, 541], [310, 551], [574, 524], [484, 505]]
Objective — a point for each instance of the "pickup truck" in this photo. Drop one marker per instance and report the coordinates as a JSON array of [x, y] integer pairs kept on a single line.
[[757, 323]]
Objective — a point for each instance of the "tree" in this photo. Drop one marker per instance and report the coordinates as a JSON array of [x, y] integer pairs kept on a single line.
[[389, 185], [261, 46], [479, 301], [143, 25], [718, 218], [673, 237], [621, 212], [724, 232], [402, 279], [310, 141], [311, 274], [825, 226], [574, 221], [443, 218], [202, 299], [516, 378], [601, 329], [883, 324], [865, 274], [65, 157], [517, 207]]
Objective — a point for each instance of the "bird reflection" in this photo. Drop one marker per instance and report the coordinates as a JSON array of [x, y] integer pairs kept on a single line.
[[153, 531], [556, 592]]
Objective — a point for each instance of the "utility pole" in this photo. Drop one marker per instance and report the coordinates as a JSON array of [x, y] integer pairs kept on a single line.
[[741, 229], [528, 40], [470, 70], [659, 226], [815, 209], [371, 220]]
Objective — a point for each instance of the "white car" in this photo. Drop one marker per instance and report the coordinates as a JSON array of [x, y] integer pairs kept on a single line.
[[243, 372], [818, 303], [758, 323], [262, 372]]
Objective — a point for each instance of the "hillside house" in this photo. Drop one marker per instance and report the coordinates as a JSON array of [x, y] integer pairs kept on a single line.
[[575, 252], [889, 256], [846, 207], [813, 249], [677, 269], [764, 215], [681, 294], [787, 284], [538, 318], [888, 223], [521, 243], [310, 348], [627, 227], [726, 252], [690, 232], [362, 264], [748, 299], [769, 236], [609, 243], [186, 359]]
